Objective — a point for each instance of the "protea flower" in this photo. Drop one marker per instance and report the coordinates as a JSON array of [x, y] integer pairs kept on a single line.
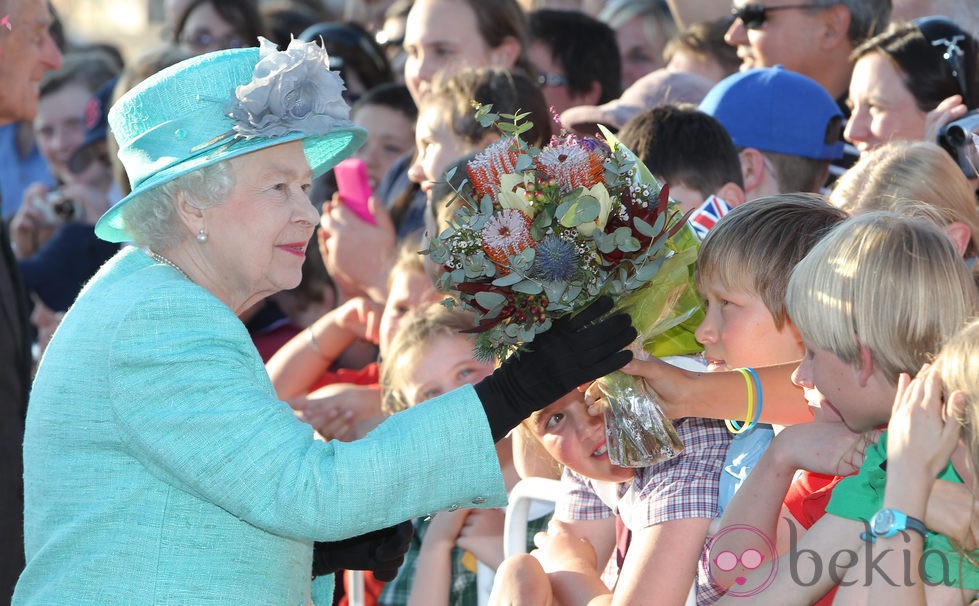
[[505, 234]]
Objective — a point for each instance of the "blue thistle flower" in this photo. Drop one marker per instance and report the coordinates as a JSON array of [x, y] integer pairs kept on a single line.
[[555, 260]]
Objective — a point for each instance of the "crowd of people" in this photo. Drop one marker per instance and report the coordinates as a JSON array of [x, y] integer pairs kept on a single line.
[[223, 383]]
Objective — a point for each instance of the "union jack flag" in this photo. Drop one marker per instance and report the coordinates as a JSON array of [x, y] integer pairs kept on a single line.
[[708, 214]]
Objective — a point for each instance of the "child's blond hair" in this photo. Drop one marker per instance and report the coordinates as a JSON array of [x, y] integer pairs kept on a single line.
[[415, 334], [894, 284], [902, 173], [755, 246], [960, 372]]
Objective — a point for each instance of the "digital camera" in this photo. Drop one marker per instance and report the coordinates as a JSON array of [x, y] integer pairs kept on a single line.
[[57, 208], [961, 139]]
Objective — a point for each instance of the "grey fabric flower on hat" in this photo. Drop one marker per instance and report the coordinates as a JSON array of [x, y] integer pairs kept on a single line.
[[291, 91]]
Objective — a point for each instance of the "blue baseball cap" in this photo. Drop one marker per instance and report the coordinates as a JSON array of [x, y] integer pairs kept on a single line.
[[773, 109]]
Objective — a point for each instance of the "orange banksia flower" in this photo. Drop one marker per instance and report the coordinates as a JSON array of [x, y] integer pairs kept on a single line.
[[486, 169]]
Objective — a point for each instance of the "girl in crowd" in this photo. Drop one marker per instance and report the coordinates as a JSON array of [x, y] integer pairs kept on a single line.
[[428, 357]]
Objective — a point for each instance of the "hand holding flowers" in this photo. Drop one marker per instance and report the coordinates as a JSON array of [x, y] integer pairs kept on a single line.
[[544, 232]]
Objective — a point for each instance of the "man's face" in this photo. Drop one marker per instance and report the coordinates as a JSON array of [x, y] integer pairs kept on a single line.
[[788, 37], [26, 52]]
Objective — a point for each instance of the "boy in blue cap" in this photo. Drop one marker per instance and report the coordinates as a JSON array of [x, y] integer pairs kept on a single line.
[[785, 125]]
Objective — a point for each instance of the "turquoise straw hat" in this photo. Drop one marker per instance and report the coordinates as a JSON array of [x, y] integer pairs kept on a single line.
[[224, 104]]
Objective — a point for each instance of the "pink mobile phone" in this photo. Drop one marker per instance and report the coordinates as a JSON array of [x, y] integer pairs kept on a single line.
[[354, 187]]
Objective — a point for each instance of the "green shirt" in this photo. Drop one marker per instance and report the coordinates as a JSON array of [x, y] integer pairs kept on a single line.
[[860, 496]]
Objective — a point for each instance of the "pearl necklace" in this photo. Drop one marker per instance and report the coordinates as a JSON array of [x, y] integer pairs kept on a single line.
[[166, 261]]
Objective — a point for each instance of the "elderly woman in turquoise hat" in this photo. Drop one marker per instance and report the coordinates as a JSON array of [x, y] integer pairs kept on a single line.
[[159, 466]]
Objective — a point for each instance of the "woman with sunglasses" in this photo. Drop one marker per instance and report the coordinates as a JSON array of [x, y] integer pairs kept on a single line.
[[910, 81]]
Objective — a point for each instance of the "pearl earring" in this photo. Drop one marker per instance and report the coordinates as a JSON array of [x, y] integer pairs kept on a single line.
[[201, 236]]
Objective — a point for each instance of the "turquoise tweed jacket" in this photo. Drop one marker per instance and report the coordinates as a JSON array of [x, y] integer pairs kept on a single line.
[[160, 468]]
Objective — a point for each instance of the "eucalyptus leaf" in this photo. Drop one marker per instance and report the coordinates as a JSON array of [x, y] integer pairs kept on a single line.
[[644, 228], [554, 290], [629, 245], [528, 287], [646, 272], [582, 210], [490, 299], [524, 162], [660, 223], [508, 280]]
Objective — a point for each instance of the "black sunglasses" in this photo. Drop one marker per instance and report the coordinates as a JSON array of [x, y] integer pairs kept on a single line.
[[754, 16]]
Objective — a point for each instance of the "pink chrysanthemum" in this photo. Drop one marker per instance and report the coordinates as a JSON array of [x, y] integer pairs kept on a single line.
[[499, 158], [571, 165], [506, 233]]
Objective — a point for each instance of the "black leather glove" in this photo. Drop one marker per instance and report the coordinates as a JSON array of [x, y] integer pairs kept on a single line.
[[381, 551], [574, 351]]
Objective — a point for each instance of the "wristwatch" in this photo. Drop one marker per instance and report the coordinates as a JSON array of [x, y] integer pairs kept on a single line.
[[888, 522]]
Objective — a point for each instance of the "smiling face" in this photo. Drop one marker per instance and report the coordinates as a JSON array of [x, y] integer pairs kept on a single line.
[[883, 107], [576, 439], [738, 330], [257, 238], [441, 37], [27, 51], [444, 364], [59, 127], [390, 135]]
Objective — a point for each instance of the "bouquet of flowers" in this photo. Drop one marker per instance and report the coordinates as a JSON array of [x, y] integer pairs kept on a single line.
[[543, 232]]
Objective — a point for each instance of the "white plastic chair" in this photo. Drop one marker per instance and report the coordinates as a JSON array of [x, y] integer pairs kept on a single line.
[[524, 493]]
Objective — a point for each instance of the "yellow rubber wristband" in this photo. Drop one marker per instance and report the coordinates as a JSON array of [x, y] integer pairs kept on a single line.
[[749, 414]]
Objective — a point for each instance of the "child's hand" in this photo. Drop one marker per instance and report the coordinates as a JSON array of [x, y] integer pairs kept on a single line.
[[482, 534], [333, 410], [665, 381], [560, 549], [827, 448], [923, 431], [443, 531], [361, 317]]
